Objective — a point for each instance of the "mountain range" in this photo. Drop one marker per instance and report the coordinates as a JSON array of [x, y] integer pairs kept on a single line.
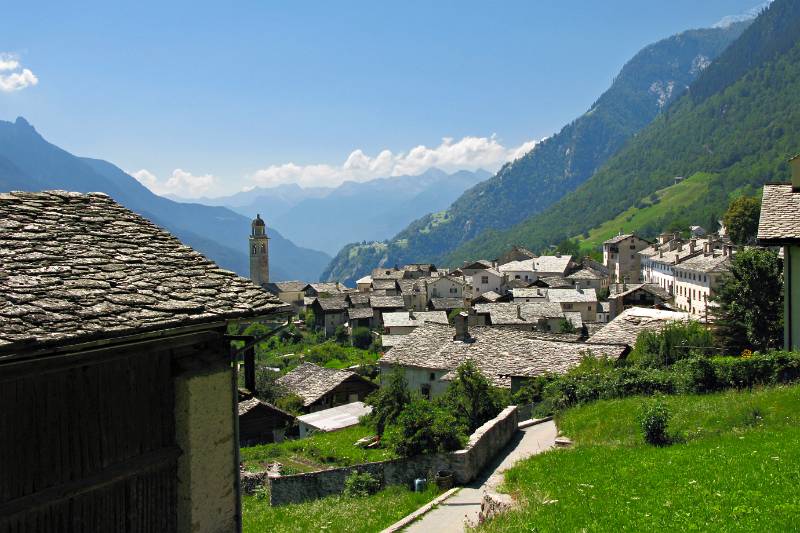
[[370, 210], [645, 87], [29, 163]]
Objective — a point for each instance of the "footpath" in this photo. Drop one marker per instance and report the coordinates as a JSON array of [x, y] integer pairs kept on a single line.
[[454, 513]]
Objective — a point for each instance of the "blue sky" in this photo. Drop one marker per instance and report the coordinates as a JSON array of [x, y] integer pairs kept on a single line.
[[200, 98]]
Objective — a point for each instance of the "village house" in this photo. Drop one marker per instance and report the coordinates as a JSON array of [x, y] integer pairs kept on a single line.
[[388, 286], [621, 257], [474, 267], [586, 278], [387, 273], [360, 317], [531, 294], [492, 297], [414, 293], [583, 301], [486, 280], [625, 328], [447, 287], [322, 290], [289, 292], [329, 313], [696, 280], [322, 388], [554, 282], [552, 265], [658, 261], [261, 422], [540, 316], [419, 270], [523, 270], [364, 284], [447, 304], [637, 295], [506, 356], [113, 335], [404, 322], [779, 225]]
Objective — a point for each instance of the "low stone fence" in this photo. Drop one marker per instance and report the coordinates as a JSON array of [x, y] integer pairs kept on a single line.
[[483, 445]]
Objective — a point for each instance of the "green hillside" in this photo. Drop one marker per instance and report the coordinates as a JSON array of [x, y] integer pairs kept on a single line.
[[644, 87], [739, 134]]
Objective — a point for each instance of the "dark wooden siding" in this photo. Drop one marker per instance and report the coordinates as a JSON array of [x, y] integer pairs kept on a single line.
[[87, 443]]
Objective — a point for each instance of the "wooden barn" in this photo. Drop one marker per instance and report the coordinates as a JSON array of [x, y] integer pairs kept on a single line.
[[262, 423], [118, 393]]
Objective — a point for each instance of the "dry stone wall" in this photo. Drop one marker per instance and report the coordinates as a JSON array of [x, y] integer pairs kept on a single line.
[[466, 464]]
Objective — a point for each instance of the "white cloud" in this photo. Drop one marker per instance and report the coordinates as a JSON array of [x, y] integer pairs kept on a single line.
[[180, 183], [12, 77], [470, 153], [751, 13]]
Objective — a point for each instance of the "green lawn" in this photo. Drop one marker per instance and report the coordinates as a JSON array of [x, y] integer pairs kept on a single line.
[[735, 470], [334, 513], [317, 452]]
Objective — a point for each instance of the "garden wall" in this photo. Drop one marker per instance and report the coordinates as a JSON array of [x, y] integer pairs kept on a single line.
[[466, 464]]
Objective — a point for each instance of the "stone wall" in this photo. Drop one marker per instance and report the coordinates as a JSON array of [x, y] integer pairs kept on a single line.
[[483, 445]]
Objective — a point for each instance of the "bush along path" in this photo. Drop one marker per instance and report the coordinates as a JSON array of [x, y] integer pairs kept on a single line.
[[462, 509]]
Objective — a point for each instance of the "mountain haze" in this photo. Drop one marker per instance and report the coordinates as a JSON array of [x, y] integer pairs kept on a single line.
[[29, 163], [645, 86]]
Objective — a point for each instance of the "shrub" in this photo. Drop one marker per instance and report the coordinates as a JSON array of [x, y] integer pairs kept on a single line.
[[361, 484], [422, 428], [291, 403], [653, 419], [341, 336], [676, 341], [362, 338]]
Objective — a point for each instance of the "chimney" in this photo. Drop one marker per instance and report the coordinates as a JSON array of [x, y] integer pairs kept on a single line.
[[462, 328], [680, 246], [707, 247], [795, 164], [676, 235], [660, 252], [519, 312], [692, 245]]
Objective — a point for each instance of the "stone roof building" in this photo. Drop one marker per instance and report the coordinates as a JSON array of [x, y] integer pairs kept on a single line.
[[123, 327], [779, 225], [429, 354], [261, 422], [322, 388], [624, 329]]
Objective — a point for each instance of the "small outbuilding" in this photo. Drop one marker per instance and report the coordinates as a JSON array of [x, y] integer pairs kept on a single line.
[[322, 388], [333, 419]]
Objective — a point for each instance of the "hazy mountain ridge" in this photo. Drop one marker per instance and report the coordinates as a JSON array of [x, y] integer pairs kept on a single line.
[[29, 162], [653, 78]]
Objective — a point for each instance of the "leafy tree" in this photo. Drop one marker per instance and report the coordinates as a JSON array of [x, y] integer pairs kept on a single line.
[[291, 403], [341, 336], [675, 342], [470, 397], [565, 326], [267, 388], [451, 316], [741, 219], [388, 401], [310, 319], [424, 427], [362, 338], [750, 298]]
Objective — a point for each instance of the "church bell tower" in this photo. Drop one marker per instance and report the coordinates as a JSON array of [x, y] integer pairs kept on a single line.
[[259, 252]]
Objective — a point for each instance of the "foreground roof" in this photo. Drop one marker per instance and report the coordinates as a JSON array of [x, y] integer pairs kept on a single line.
[[79, 267], [627, 325], [312, 382], [780, 215], [500, 353]]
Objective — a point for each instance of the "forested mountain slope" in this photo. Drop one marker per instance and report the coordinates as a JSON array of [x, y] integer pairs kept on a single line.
[[735, 129], [644, 87]]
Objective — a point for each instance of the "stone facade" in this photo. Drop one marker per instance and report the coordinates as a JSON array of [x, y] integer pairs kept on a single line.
[[466, 464]]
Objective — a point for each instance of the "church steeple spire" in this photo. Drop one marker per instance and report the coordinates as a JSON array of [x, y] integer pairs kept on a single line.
[[259, 252]]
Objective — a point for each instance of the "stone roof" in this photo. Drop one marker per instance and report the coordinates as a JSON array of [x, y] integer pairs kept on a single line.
[[410, 286], [355, 313], [290, 286], [480, 264], [490, 296], [571, 295], [652, 288], [384, 284], [531, 292], [454, 279], [366, 279], [517, 284], [557, 282], [680, 252], [312, 382], [586, 273], [248, 405], [333, 303], [329, 287], [79, 267], [627, 325], [552, 263], [309, 300], [447, 303], [387, 273], [386, 302], [525, 313], [359, 298], [706, 263], [413, 319], [780, 214], [499, 352], [525, 265], [618, 239]]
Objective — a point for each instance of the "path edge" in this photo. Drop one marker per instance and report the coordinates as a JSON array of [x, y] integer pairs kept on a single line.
[[408, 519]]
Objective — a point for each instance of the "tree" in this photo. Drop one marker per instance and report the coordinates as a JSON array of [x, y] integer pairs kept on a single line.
[[741, 219], [565, 326], [675, 342], [750, 298], [470, 397], [310, 319], [362, 338], [388, 401], [424, 427]]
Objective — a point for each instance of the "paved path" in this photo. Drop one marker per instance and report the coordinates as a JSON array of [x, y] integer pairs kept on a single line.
[[451, 515]]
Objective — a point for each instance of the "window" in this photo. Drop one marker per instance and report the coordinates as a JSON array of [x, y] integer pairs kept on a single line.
[[453, 290], [567, 306], [484, 279], [425, 390], [432, 376]]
